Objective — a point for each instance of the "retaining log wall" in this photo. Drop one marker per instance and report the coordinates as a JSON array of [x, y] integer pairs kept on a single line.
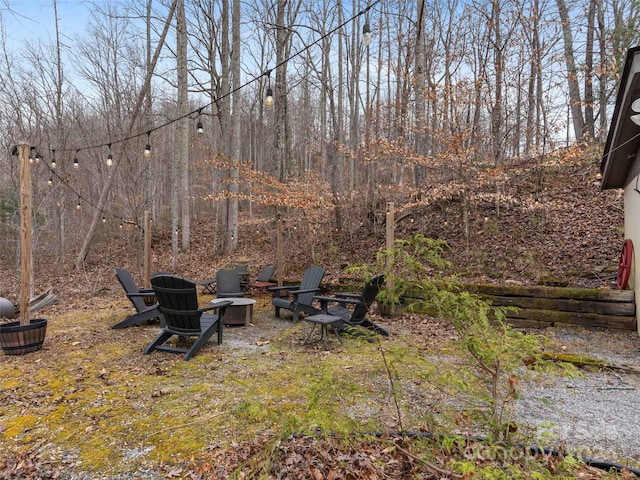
[[548, 306]]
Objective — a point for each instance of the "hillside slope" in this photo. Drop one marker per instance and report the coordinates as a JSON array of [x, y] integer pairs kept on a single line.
[[571, 236]]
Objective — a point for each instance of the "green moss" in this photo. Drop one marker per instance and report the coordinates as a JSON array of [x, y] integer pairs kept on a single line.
[[16, 427]]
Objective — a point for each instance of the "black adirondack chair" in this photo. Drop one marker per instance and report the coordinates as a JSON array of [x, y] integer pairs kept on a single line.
[[143, 300], [356, 316], [210, 285], [299, 298], [263, 280], [228, 284], [178, 304]]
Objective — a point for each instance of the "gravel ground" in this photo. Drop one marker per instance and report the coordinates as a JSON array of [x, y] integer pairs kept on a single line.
[[596, 414]]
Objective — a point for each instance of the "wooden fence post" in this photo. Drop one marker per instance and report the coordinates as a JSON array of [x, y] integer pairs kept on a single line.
[[147, 248], [24, 150]]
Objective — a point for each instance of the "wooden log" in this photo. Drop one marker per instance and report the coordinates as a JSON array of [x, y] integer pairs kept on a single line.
[[552, 292], [587, 320], [566, 305]]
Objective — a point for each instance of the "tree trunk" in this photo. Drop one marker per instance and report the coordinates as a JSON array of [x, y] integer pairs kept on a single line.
[[236, 119], [104, 193], [182, 128], [575, 102]]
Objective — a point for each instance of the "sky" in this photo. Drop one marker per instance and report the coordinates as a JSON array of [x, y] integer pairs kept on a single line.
[[32, 20]]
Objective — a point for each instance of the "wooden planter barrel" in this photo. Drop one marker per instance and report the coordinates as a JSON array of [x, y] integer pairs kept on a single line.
[[16, 339]]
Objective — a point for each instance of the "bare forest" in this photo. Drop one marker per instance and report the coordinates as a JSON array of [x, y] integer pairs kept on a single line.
[[217, 117]]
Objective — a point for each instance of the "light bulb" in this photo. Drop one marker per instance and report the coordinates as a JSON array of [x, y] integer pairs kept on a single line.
[[147, 151], [104, 220], [598, 176], [53, 163], [78, 206], [199, 128], [37, 158], [366, 35], [75, 163], [109, 160], [268, 101], [50, 181]]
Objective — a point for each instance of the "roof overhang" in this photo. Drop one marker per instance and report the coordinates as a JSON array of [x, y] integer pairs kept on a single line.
[[623, 139]]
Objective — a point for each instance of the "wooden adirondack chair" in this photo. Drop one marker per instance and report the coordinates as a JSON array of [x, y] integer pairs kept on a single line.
[[178, 304], [360, 303], [228, 282], [142, 299], [263, 281], [299, 298]]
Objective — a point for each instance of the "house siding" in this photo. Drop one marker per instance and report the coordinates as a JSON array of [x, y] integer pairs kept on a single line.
[[632, 231]]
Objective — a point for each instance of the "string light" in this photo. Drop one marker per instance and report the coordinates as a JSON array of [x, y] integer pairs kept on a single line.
[[109, 157], [147, 148], [76, 165], [53, 159], [366, 34], [78, 205], [199, 127], [268, 99]]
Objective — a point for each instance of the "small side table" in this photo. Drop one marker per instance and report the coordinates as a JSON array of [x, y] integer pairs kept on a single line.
[[240, 312], [324, 320]]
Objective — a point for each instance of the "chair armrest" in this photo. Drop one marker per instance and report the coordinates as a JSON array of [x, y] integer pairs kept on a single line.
[[306, 290], [349, 295], [324, 301], [150, 293], [277, 291], [284, 287]]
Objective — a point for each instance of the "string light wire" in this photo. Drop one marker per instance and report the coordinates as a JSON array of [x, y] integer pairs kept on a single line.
[[190, 114]]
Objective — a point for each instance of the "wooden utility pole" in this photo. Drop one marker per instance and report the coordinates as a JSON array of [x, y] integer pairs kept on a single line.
[[279, 254], [391, 226], [25, 231], [147, 248]]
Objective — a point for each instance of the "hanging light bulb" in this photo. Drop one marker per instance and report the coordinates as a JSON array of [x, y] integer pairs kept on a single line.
[[268, 101], [104, 219], [53, 159], [78, 205], [366, 34], [50, 181], [199, 126], [147, 148], [109, 157], [37, 158], [76, 165]]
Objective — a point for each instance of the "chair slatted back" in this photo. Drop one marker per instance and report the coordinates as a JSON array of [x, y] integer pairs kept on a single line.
[[310, 280], [178, 303], [129, 286], [266, 273], [242, 269], [369, 294], [228, 282]]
